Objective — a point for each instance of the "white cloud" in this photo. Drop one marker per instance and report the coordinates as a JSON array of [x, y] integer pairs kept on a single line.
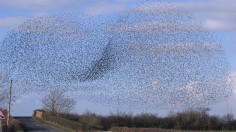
[[26, 98], [101, 9], [219, 25], [90, 7], [40, 14], [219, 15], [37, 3], [14, 21], [95, 7], [11, 21]]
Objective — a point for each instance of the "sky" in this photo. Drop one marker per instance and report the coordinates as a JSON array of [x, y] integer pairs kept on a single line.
[[217, 16]]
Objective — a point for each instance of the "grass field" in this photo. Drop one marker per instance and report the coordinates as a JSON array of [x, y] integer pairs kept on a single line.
[[125, 129]]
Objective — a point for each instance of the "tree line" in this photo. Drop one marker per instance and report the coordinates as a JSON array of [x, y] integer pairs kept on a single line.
[[56, 103], [185, 120]]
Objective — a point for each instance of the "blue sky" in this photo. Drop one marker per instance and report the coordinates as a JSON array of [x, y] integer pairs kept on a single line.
[[217, 16]]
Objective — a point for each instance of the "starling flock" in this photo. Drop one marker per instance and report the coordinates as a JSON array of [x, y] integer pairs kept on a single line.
[[154, 56]]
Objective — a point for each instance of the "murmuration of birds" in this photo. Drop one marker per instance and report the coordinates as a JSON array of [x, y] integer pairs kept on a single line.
[[154, 56]]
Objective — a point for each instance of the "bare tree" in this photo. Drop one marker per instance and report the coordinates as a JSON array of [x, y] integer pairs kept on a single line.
[[56, 102], [228, 118]]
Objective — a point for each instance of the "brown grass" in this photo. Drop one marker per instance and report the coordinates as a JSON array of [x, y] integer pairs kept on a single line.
[[126, 129]]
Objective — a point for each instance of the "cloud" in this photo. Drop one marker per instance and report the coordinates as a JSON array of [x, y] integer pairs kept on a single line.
[[37, 3], [101, 9], [96, 7], [219, 15], [92, 7], [14, 21], [219, 25], [26, 98], [8, 22]]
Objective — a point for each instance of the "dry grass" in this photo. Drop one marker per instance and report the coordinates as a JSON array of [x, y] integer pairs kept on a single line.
[[125, 129]]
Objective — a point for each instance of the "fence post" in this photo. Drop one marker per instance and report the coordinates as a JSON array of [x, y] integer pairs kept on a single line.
[[0, 125]]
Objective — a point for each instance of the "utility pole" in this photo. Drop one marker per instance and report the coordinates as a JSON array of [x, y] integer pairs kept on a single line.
[[9, 104]]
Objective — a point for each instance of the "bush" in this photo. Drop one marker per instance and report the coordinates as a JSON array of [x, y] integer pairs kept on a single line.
[[61, 121], [186, 120], [90, 121]]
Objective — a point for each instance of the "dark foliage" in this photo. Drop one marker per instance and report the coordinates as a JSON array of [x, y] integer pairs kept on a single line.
[[186, 120]]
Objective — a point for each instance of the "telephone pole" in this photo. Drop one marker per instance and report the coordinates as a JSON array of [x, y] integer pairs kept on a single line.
[[9, 104]]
